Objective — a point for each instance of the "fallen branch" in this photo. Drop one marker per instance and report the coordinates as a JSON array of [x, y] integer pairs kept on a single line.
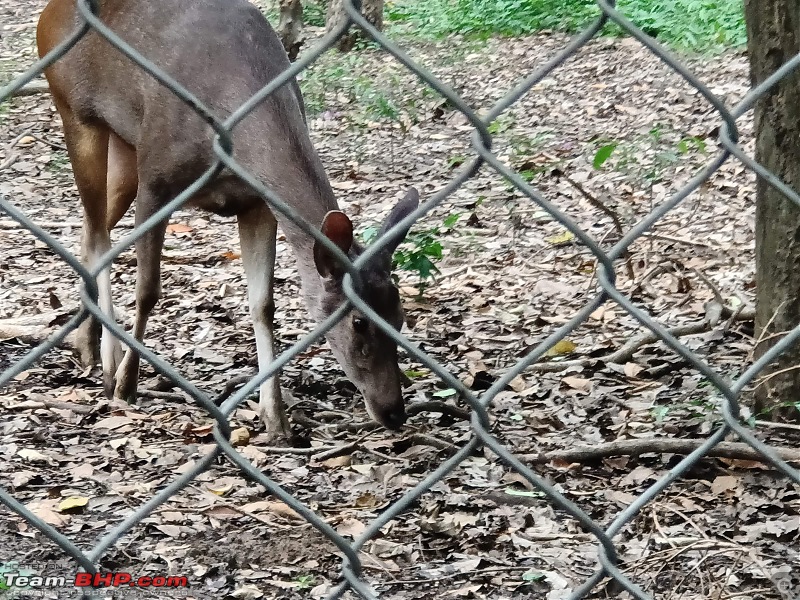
[[423, 439], [161, 395], [36, 400], [31, 89], [436, 406], [35, 329], [597, 203], [737, 450], [334, 452], [625, 354], [43, 224]]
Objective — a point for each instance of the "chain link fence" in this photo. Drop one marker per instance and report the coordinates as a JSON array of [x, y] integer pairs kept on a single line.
[[351, 574]]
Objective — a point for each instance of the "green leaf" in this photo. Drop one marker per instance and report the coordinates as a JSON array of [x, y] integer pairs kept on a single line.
[[411, 373], [369, 234], [444, 393], [451, 219], [603, 155]]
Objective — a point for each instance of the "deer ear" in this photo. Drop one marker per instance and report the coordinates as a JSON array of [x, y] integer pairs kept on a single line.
[[337, 227], [402, 209]]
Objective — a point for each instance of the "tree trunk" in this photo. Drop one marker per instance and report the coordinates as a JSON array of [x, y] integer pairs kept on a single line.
[[372, 11], [773, 31], [290, 26]]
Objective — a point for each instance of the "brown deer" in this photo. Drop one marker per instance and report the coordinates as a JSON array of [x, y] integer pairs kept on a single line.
[[129, 137]]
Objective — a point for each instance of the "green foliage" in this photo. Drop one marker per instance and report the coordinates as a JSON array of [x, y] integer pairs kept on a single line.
[[647, 159], [690, 24], [305, 582], [501, 124], [686, 145], [337, 79], [686, 24], [314, 14], [481, 18], [419, 252]]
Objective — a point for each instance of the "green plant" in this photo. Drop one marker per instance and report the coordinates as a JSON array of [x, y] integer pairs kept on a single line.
[[58, 162], [501, 124], [419, 252], [685, 24], [686, 145], [305, 582], [5, 108], [314, 14]]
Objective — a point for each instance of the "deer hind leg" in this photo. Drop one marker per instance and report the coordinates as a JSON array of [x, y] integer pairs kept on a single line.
[[257, 230], [121, 183], [87, 145], [148, 286]]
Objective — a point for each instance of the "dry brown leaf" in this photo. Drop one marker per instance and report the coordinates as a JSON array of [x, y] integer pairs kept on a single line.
[[179, 228], [72, 502], [578, 383], [724, 483], [240, 436]]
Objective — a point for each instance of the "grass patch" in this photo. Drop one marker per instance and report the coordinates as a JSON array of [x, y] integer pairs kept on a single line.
[[696, 25], [336, 81]]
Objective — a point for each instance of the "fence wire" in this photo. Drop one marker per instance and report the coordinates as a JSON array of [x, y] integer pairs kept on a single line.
[[480, 404]]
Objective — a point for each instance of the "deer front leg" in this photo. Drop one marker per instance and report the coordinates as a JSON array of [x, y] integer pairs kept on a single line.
[[148, 292], [257, 230]]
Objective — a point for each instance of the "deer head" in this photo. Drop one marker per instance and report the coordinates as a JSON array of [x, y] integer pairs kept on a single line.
[[367, 355]]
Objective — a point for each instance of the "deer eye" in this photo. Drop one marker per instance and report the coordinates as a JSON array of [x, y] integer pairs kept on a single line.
[[360, 324]]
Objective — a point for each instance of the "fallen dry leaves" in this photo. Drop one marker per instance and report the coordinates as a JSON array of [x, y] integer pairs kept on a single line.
[[511, 275]]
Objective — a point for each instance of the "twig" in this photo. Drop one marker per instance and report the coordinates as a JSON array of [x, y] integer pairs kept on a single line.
[[42, 401], [766, 327], [48, 142], [670, 238], [777, 425], [299, 417], [43, 224], [441, 576], [159, 395], [11, 157], [230, 388], [31, 89], [335, 451], [735, 450], [440, 407], [714, 289], [765, 378], [423, 439], [300, 451], [603, 208]]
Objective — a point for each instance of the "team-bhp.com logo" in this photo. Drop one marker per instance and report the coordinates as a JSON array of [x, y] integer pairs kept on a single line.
[[26, 581]]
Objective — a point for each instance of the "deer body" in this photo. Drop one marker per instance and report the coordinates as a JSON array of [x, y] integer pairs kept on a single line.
[[130, 139]]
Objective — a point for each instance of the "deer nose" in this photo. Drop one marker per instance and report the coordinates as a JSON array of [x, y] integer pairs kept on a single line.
[[394, 418]]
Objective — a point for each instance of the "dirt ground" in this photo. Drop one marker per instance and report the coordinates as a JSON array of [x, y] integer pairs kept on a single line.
[[508, 278]]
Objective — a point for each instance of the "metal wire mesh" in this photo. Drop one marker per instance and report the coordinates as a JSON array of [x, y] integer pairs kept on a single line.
[[480, 404]]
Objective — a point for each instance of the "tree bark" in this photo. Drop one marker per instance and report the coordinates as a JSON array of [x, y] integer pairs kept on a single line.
[[372, 11], [290, 26], [773, 31]]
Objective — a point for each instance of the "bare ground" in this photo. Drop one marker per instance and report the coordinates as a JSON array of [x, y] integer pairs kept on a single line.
[[509, 277]]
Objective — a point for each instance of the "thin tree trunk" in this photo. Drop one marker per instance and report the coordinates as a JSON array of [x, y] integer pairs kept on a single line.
[[773, 30], [372, 11], [290, 26]]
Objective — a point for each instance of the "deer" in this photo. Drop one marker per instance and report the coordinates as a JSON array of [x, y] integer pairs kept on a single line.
[[132, 141]]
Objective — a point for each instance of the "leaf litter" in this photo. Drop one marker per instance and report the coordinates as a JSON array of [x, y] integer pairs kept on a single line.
[[510, 275]]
